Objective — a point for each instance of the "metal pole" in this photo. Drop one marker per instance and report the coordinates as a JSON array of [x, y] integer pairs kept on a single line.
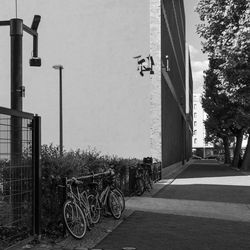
[[16, 78], [36, 154], [16, 44], [61, 114], [16, 34]]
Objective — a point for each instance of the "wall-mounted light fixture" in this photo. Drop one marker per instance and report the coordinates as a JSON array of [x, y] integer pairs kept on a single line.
[[167, 63]]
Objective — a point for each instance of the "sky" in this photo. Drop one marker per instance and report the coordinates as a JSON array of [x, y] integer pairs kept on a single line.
[[199, 60], [96, 112]]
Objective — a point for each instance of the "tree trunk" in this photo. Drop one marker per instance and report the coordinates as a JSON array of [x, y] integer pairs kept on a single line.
[[246, 158], [239, 138], [226, 148]]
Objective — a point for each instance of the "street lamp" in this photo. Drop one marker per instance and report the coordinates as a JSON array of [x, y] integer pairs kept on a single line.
[[60, 67]]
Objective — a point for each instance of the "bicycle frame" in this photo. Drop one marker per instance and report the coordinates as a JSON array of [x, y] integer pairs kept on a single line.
[[82, 200], [103, 196]]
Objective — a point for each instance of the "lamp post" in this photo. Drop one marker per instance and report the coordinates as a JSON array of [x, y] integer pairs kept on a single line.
[[60, 67]]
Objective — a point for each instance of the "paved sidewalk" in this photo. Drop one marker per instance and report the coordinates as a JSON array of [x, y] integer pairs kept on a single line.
[[206, 207]]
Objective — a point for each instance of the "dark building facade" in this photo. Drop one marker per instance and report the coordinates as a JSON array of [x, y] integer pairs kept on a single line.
[[176, 84]]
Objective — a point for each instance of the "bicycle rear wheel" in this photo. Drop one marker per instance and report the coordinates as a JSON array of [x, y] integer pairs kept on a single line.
[[114, 205], [120, 197], [74, 219], [95, 209]]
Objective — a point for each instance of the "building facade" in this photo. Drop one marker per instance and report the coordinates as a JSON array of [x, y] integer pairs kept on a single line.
[[172, 84], [202, 148]]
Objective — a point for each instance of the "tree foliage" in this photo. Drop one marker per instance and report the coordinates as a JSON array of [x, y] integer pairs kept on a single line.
[[225, 28]]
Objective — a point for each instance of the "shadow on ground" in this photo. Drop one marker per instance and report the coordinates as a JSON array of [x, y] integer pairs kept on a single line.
[[209, 182], [218, 193], [147, 231]]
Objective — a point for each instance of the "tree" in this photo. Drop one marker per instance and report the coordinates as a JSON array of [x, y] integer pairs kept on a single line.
[[218, 107], [225, 29]]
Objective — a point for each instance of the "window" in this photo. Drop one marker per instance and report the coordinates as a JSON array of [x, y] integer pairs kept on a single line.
[[195, 140], [195, 105], [195, 115], [195, 123], [195, 132]]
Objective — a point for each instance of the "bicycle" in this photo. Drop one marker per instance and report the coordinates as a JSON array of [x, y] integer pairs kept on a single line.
[[112, 182], [80, 210], [107, 199], [143, 181]]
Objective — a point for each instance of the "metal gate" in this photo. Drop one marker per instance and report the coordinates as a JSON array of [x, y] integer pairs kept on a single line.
[[19, 176]]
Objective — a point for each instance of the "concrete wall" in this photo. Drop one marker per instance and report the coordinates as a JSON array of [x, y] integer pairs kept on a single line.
[[155, 99]]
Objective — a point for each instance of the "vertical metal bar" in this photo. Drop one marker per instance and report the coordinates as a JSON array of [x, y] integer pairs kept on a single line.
[[61, 113], [16, 35], [183, 146], [64, 197], [35, 46], [16, 7], [36, 153]]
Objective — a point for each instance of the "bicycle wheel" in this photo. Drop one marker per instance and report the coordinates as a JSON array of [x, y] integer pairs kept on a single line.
[[74, 219], [120, 197], [95, 209], [114, 205], [148, 183], [139, 186]]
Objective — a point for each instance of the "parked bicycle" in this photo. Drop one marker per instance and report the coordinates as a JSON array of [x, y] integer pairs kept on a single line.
[[80, 210], [109, 199], [111, 181], [143, 179]]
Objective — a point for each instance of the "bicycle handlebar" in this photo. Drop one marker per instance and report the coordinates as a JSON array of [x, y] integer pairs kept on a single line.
[[78, 180]]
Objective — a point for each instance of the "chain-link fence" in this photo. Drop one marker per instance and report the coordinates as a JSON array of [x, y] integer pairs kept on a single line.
[[16, 176]]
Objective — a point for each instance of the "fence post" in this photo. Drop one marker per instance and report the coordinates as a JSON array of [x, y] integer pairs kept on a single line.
[[36, 155], [64, 197], [127, 180], [160, 170]]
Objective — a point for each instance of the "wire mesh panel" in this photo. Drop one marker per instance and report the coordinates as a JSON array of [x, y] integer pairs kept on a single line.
[[16, 179]]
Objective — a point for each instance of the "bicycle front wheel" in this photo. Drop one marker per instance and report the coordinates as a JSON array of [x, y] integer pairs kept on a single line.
[[74, 219], [120, 197], [114, 205], [95, 209]]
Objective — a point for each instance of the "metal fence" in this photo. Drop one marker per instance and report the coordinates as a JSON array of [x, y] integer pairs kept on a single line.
[[18, 168]]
